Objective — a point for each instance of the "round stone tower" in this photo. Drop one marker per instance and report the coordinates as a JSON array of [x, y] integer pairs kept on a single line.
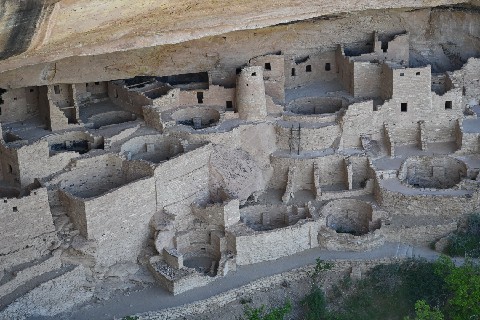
[[250, 94]]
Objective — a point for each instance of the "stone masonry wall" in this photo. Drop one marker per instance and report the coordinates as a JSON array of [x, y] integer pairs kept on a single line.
[[27, 230], [119, 221], [182, 180], [265, 246]]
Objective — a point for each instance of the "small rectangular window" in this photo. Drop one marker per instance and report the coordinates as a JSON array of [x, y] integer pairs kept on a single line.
[[328, 66], [229, 105], [448, 104], [268, 66], [56, 89], [418, 73], [308, 68], [15, 209], [293, 72], [402, 74], [403, 107], [238, 70], [200, 97], [254, 74], [31, 90], [97, 83], [0, 111]]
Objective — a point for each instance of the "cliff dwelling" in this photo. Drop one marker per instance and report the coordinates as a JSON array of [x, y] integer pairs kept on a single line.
[[141, 151]]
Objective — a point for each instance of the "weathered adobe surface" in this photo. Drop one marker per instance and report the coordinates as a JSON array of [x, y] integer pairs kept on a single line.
[[443, 37], [35, 31]]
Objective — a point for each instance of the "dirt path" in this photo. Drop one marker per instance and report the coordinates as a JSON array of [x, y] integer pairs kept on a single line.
[[155, 298]]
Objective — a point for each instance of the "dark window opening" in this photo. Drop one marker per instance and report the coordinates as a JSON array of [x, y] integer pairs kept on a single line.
[[418, 73], [86, 85], [448, 104], [384, 46], [15, 209], [10, 169], [402, 74], [116, 93], [328, 66], [268, 66], [0, 111], [308, 68], [97, 83], [56, 89], [293, 72], [178, 79], [254, 74], [15, 99], [2, 91], [31, 90], [403, 107], [4, 200], [229, 105], [238, 70], [200, 97]]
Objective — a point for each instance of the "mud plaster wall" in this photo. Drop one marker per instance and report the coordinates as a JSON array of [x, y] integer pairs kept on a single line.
[[367, 80]]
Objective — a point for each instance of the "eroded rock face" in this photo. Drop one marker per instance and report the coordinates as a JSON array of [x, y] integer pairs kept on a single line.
[[53, 28]]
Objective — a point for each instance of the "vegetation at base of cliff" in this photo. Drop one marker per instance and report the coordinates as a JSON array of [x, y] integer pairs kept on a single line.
[[466, 241], [261, 313], [413, 289]]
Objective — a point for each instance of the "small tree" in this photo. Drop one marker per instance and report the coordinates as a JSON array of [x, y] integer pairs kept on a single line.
[[464, 285], [424, 312]]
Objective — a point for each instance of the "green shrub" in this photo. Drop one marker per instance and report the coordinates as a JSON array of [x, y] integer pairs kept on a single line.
[[466, 242], [463, 283], [424, 312], [273, 314], [320, 266], [315, 304], [398, 284]]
